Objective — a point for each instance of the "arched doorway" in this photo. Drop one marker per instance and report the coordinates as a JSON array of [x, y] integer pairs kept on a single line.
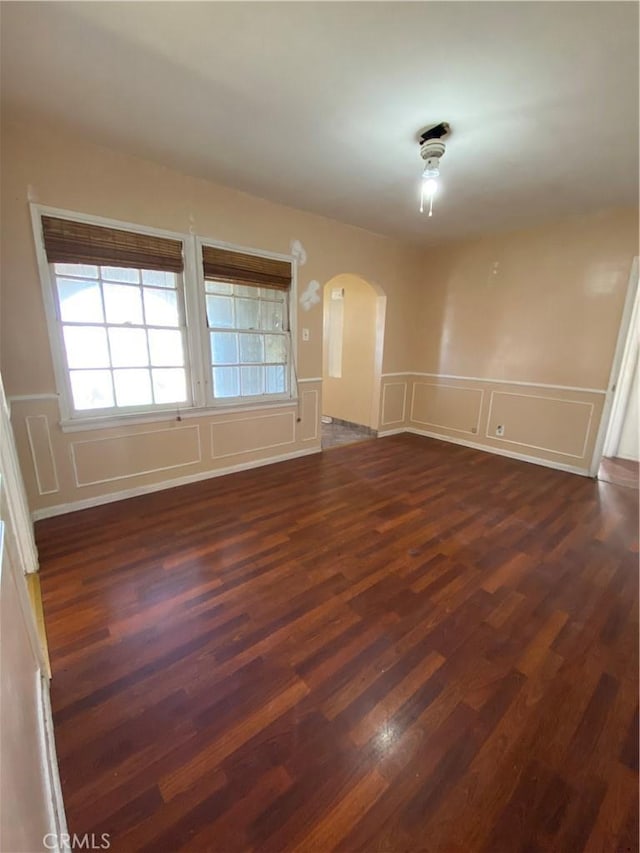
[[353, 342]]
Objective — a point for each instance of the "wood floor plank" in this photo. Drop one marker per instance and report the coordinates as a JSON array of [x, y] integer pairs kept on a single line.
[[409, 646]]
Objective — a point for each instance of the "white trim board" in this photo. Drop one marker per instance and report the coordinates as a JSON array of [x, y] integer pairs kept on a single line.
[[19, 398], [175, 415], [74, 506], [621, 377], [50, 771], [500, 381]]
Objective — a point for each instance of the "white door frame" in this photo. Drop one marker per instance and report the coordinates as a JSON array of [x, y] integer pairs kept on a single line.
[[621, 376]]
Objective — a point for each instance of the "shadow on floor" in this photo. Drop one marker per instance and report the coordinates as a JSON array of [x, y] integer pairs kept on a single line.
[[338, 433]]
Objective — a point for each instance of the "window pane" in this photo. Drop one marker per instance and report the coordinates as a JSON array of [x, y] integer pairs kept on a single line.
[[275, 348], [218, 287], [224, 348], [226, 382], [248, 313], [86, 346], [128, 347], [161, 307], [276, 379], [251, 348], [82, 270], [123, 304], [121, 274], [220, 311], [273, 316], [80, 301], [273, 294], [169, 385], [133, 387], [165, 346], [158, 278], [91, 389], [246, 290], [252, 381]]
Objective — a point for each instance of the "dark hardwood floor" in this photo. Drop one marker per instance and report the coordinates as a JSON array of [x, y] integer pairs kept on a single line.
[[403, 645], [622, 472]]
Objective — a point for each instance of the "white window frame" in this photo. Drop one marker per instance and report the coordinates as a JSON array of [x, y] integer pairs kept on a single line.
[[236, 402], [197, 359]]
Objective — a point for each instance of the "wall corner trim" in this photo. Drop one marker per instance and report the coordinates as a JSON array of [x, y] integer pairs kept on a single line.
[[50, 772]]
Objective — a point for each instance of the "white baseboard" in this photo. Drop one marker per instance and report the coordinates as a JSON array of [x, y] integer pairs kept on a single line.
[[534, 460], [385, 432], [111, 497], [50, 773]]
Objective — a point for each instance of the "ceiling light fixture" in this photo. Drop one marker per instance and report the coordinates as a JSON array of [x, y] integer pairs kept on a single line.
[[432, 149]]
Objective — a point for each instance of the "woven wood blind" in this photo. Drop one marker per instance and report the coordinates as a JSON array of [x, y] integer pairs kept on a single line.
[[68, 242], [239, 268]]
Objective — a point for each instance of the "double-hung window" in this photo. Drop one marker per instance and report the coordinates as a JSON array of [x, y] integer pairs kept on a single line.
[[133, 332], [247, 308], [120, 317]]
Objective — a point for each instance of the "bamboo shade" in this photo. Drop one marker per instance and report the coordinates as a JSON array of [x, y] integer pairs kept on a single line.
[[240, 268], [69, 242]]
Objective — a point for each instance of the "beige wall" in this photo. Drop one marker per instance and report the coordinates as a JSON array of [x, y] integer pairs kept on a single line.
[[351, 397], [504, 330], [518, 330], [53, 167], [541, 305]]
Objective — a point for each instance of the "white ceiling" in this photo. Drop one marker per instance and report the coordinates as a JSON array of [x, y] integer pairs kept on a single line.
[[318, 105]]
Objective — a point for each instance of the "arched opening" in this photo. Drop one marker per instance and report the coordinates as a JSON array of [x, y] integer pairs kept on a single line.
[[353, 343]]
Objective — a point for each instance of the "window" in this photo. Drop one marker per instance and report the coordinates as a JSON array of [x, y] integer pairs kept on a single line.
[[247, 307], [119, 314], [132, 331], [123, 333], [249, 341]]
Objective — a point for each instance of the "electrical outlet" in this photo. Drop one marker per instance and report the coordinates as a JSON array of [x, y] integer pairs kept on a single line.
[[305, 334], [500, 429]]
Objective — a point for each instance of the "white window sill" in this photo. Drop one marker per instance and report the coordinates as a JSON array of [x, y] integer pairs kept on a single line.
[[111, 421]]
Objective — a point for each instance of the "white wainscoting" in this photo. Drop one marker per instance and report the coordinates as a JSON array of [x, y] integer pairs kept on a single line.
[[247, 435], [94, 460], [112, 497], [538, 417], [310, 415], [42, 456], [440, 399], [394, 403], [546, 424]]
